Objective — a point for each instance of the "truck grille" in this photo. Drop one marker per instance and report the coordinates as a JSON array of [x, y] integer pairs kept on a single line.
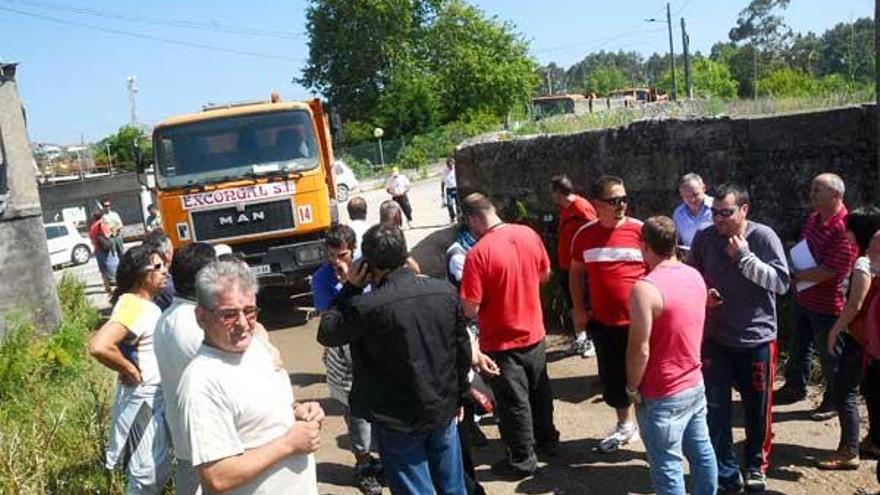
[[229, 223]]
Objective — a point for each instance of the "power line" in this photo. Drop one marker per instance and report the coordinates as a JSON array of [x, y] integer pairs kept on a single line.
[[129, 34], [598, 41], [205, 26], [681, 9]]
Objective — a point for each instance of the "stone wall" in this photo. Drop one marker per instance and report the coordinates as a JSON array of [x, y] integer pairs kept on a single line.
[[775, 157]]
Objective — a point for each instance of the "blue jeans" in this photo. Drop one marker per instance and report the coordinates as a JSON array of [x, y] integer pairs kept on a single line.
[[674, 425], [413, 462], [809, 334]]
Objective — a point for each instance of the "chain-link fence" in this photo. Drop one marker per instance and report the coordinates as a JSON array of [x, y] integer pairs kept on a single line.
[[365, 158]]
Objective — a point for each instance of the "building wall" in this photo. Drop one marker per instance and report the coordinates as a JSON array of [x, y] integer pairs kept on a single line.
[[775, 157]]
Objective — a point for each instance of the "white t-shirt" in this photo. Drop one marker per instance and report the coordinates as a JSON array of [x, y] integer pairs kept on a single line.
[[177, 340], [397, 185], [139, 317], [863, 264], [359, 227], [449, 178], [112, 219], [234, 402]]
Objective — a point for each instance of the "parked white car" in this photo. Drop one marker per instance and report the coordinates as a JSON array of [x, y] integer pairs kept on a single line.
[[66, 244], [346, 182]]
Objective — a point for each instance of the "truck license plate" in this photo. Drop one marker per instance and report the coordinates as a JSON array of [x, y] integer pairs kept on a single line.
[[261, 270]]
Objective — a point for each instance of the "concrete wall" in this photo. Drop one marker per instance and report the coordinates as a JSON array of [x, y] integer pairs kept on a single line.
[[774, 157], [28, 285]]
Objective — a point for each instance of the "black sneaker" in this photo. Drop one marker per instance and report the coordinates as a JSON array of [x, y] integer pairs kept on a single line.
[[789, 395], [365, 480], [756, 481], [378, 470], [824, 412], [736, 487], [503, 469]]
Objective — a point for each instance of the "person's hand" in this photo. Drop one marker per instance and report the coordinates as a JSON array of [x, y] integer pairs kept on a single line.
[[487, 366], [713, 298], [130, 378], [735, 246], [309, 411], [579, 317], [832, 341], [304, 437], [634, 396], [341, 270], [360, 275], [459, 415]]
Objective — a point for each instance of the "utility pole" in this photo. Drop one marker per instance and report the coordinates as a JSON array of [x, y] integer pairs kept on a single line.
[[671, 48], [549, 83], [671, 52], [132, 99], [685, 47]]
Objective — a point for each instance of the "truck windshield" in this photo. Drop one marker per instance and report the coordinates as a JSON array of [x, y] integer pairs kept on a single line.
[[233, 147]]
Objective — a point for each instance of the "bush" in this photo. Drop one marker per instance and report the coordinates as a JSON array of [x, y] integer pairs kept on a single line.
[[54, 404]]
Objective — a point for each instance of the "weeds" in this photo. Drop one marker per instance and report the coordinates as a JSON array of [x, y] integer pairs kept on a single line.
[[54, 404]]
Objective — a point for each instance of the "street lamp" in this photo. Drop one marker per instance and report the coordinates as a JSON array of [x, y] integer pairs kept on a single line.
[[378, 133]]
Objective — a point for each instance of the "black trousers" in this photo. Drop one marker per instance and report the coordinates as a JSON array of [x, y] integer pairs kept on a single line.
[[403, 201], [524, 401]]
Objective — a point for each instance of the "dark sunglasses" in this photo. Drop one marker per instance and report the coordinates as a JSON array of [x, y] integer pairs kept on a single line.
[[724, 213], [616, 201]]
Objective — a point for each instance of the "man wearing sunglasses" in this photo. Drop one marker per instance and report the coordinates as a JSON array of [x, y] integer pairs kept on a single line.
[[246, 435], [608, 251], [744, 266]]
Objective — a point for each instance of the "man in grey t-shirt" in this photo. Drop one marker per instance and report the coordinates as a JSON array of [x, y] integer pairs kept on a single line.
[[744, 266]]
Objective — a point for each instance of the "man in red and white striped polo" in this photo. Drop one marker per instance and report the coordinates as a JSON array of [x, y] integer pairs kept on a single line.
[[817, 306], [608, 249]]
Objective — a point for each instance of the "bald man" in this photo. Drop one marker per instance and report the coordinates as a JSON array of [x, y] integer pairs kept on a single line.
[[819, 297]]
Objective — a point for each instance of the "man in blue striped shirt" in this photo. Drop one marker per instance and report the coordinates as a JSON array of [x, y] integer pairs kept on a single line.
[[694, 213]]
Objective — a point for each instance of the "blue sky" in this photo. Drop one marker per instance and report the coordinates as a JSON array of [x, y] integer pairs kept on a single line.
[[72, 75]]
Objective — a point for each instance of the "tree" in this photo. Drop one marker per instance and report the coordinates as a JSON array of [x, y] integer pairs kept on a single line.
[[409, 103], [605, 80], [765, 35], [353, 44], [555, 75], [788, 82], [480, 64], [122, 145], [848, 49], [709, 79]]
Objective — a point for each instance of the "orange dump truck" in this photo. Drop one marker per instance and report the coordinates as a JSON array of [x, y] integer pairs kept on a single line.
[[255, 176]]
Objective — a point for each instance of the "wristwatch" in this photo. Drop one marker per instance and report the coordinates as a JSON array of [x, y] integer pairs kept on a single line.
[[633, 395]]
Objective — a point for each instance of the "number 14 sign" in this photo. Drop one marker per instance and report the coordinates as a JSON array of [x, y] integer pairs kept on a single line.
[[304, 214]]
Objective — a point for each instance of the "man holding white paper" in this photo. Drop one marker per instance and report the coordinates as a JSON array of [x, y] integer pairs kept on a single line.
[[821, 263]]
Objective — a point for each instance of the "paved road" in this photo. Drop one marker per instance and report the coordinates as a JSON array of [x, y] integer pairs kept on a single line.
[[580, 415]]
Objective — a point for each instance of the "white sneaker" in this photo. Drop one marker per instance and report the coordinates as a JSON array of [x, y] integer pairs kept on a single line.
[[621, 435], [588, 350]]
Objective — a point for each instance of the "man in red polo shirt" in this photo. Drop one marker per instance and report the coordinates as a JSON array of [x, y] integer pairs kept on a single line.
[[500, 286], [574, 211], [817, 306], [609, 251]]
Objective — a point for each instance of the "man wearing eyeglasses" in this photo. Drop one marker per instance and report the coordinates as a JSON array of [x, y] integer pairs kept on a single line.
[[246, 435], [608, 250], [744, 266]]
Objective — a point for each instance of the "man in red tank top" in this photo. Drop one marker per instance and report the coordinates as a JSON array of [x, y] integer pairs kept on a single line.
[[667, 310]]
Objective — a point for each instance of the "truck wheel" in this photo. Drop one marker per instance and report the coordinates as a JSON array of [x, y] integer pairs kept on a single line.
[[80, 254], [342, 193]]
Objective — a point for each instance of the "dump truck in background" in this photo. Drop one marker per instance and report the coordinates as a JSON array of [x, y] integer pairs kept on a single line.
[[256, 176]]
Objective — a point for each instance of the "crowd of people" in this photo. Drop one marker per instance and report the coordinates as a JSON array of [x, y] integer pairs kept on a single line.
[[679, 311]]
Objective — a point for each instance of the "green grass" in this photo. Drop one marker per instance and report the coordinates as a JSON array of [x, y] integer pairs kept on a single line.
[[54, 404]]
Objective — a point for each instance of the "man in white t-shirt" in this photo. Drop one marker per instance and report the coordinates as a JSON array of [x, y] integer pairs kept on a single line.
[[177, 340], [398, 187], [449, 189], [357, 220], [245, 434]]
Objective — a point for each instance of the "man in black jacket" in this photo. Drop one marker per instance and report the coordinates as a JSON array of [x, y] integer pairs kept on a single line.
[[411, 356]]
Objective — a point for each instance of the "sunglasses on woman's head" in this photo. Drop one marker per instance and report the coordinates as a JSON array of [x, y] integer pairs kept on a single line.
[[154, 267]]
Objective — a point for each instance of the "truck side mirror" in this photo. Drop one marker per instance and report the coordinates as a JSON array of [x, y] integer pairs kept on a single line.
[[138, 158]]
